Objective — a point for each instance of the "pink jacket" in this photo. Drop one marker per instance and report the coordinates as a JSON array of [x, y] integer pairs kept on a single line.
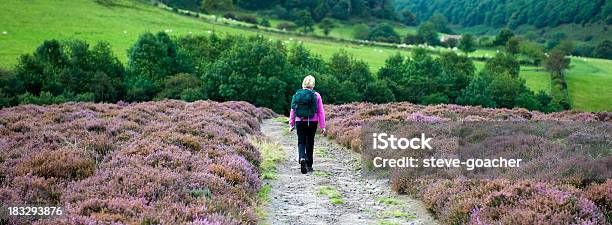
[[319, 116]]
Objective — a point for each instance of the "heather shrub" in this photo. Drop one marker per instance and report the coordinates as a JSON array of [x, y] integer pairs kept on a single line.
[[578, 200], [532, 203], [66, 163], [167, 162], [601, 195]]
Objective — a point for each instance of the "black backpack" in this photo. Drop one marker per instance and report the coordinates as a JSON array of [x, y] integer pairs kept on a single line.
[[304, 103]]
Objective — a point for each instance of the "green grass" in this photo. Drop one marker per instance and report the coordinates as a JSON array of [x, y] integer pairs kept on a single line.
[[590, 84], [281, 119], [387, 223], [263, 196], [389, 201], [335, 198], [536, 78], [319, 173], [321, 152], [29, 24], [396, 214], [271, 154]]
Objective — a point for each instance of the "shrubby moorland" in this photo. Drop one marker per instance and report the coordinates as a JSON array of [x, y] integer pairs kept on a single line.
[[464, 201], [166, 162]]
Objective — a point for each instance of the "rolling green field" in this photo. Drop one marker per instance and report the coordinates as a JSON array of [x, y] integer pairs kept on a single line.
[[590, 84], [27, 25]]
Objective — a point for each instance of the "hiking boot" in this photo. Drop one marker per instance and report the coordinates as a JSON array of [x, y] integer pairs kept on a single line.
[[309, 168], [303, 168]]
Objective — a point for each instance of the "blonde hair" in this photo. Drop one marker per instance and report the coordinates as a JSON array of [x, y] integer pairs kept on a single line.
[[309, 82]]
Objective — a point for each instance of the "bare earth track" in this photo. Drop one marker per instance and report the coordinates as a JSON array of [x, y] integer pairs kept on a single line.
[[297, 198]]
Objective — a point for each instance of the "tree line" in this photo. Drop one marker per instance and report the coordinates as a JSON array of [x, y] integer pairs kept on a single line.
[[294, 9], [502, 13], [255, 69]]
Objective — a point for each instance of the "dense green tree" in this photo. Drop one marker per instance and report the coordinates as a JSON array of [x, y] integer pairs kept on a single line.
[[153, 57], [428, 33], [361, 32], [104, 88], [513, 45], [412, 39], [259, 4], [503, 64], [216, 5], [566, 46], [502, 13], [327, 25], [174, 86], [200, 51], [256, 71], [351, 73], [304, 21], [485, 41], [383, 32], [280, 12], [421, 77], [44, 98], [70, 69], [321, 11], [528, 100], [503, 37], [457, 72], [392, 72], [40, 71], [533, 51], [10, 87], [467, 43], [409, 19], [477, 93], [345, 93], [328, 87], [604, 49], [305, 62], [556, 63], [440, 23], [504, 90], [378, 92], [341, 10], [265, 22], [434, 99]]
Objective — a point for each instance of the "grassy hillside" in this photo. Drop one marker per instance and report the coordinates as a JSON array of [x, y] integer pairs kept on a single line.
[[120, 24], [590, 84]]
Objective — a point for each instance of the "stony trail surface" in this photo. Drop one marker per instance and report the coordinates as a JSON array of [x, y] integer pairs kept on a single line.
[[296, 198]]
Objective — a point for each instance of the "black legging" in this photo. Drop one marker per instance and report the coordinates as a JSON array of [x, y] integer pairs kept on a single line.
[[306, 133]]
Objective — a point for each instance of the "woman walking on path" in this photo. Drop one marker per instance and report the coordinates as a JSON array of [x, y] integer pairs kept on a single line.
[[306, 112]]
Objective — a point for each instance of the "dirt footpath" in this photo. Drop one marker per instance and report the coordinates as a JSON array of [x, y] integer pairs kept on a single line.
[[336, 192]]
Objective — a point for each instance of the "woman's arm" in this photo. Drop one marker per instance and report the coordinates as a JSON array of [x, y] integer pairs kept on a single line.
[[291, 118], [321, 111]]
